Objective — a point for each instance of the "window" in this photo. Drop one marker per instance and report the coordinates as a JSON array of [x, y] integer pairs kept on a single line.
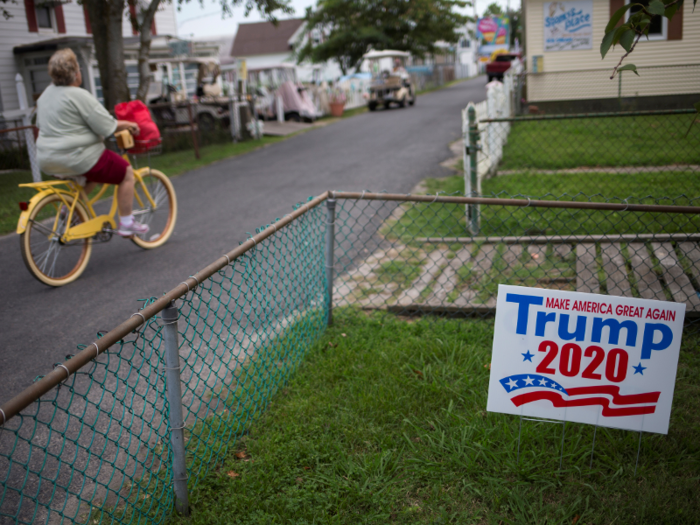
[[43, 18], [658, 28]]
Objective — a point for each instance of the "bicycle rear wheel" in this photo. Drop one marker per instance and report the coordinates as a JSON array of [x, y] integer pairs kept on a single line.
[[161, 219], [49, 260]]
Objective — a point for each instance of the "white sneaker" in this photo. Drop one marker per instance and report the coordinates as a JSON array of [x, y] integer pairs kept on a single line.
[[136, 228]]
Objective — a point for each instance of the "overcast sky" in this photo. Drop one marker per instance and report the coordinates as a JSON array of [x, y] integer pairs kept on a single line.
[[193, 20]]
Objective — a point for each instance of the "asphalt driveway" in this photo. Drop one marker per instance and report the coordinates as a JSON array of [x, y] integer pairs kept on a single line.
[[386, 150]]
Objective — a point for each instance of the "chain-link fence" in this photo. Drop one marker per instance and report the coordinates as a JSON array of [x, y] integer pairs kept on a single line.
[[93, 441], [632, 156], [422, 257]]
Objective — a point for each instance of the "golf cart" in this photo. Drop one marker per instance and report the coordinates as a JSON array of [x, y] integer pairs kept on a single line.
[[390, 80], [279, 82]]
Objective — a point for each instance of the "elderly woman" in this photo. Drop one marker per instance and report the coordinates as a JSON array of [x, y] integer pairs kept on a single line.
[[72, 125]]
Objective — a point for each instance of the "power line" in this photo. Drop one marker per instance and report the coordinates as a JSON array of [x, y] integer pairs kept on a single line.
[[196, 18]]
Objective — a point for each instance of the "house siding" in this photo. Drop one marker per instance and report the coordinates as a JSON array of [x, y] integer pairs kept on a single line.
[[14, 31], [582, 74]]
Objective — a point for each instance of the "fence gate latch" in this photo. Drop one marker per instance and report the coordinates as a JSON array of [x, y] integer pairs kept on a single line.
[[469, 149]]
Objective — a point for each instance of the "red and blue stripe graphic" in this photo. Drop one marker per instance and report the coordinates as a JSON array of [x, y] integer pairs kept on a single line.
[[541, 388]]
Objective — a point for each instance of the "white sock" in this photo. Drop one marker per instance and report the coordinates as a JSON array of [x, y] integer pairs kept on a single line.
[[126, 221]]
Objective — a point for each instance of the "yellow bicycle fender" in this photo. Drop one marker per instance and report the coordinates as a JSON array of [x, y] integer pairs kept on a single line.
[[24, 216]]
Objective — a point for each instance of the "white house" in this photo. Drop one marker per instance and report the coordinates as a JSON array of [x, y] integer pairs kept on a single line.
[[262, 44], [565, 67], [467, 52], [36, 29]]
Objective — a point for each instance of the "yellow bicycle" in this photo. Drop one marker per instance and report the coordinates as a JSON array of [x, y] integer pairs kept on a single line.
[[58, 225]]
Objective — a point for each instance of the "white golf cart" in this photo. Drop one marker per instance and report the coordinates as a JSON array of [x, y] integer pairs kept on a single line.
[[391, 83]]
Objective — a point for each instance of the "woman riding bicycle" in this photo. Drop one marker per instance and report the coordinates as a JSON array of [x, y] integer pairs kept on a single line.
[[72, 125]]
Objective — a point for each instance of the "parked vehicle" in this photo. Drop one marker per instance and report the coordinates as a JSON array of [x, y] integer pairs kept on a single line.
[[169, 102], [499, 65], [391, 83], [279, 82]]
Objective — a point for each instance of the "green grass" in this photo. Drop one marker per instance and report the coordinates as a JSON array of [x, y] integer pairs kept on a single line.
[[389, 425], [11, 196], [428, 220], [657, 140]]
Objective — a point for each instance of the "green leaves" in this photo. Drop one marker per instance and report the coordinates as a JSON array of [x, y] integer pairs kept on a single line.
[[352, 28], [627, 39], [616, 17], [629, 67], [656, 7]]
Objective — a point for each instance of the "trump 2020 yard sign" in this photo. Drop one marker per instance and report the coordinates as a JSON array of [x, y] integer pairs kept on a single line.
[[597, 359]]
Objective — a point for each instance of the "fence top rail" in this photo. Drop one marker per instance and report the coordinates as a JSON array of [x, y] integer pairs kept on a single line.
[[60, 373], [662, 66], [593, 115], [524, 203], [20, 128]]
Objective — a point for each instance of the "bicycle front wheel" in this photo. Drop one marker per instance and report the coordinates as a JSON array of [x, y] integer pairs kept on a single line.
[[47, 258], [161, 218]]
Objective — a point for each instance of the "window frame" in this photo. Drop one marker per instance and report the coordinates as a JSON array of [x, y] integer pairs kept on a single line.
[[52, 19], [655, 37]]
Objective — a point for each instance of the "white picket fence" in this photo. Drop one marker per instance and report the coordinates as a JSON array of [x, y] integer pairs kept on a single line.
[[499, 103]]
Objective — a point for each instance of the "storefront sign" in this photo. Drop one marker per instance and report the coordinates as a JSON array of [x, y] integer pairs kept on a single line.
[[493, 30], [598, 359], [568, 25]]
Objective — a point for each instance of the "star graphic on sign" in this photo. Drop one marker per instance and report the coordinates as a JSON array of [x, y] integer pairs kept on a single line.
[[512, 384], [639, 369], [543, 382], [528, 356], [528, 381]]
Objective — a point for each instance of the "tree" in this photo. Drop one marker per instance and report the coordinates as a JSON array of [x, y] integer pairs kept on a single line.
[[106, 20], [350, 28], [493, 9], [142, 24]]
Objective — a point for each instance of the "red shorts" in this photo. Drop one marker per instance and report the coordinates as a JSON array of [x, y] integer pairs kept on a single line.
[[110, 169]]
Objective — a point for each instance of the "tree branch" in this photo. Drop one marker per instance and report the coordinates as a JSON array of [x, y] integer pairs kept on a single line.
[[639, 35]]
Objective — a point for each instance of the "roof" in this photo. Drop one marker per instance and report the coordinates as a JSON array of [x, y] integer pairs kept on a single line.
[[52, 44], [386, 53], [264, 38]]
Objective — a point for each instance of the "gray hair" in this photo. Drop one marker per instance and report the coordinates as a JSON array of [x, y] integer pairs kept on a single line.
[[63, 67]]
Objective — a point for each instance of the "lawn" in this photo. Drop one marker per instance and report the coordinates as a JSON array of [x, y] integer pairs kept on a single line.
[[385, 422], [430, 220], [655, 140]]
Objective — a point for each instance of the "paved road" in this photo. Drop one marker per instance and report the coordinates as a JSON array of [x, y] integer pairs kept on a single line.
[[387, 150]]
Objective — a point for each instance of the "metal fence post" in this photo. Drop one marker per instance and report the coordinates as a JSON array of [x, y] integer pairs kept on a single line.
[[174, 393], [192, 129], [232, 108], [28, 133], [330, 246], [472, 176]]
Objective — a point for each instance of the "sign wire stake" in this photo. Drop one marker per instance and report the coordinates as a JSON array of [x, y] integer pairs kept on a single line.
[[520, 431], [639, 448], [595, 429], [563, 433]]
